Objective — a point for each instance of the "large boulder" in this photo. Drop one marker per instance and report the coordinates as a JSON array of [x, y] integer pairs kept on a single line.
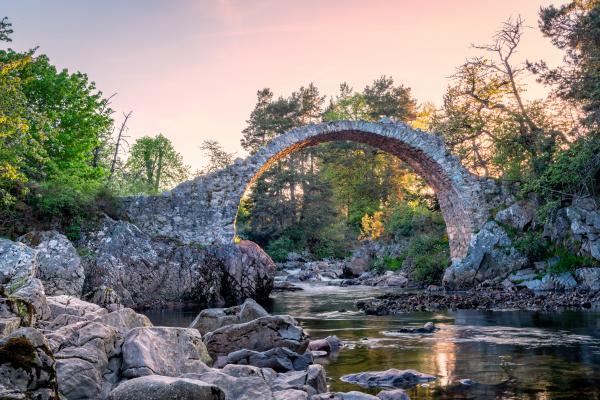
[[71, 305], [163, 351], [211, 319], [17, 265], [259, 335], [391, 378], [155, 387], [87, 357], [490, 257], [32, 293], [249, 272], [59, 265], [247, 386], [311, 381], [27, 368], [279, 359], [145, 271], [519, 215]]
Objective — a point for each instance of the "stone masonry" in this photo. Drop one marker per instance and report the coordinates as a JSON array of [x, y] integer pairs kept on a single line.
[[203, 210]]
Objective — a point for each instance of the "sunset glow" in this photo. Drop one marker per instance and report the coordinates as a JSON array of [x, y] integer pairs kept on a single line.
[[191, 69]]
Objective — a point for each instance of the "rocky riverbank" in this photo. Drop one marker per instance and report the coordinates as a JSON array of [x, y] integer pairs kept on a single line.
[[479, 299]]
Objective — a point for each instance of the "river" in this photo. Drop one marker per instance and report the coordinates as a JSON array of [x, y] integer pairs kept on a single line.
[[508, 354]]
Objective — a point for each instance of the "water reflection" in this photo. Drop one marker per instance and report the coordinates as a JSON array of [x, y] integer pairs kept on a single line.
[[508, 355]]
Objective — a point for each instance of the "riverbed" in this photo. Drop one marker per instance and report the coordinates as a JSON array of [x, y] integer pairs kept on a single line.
[[505, 354]]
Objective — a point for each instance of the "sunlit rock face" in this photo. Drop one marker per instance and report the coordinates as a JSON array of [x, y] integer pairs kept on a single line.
[[204, 209], [142, 271]]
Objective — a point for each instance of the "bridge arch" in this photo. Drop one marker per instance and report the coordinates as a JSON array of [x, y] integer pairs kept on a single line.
[[204, 210]]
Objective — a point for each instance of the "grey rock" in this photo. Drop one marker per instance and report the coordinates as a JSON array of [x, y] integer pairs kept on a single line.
[[330, 344], [519, 215], [83, 352], [279, 359], [312, 381], [163, 351], [595, 249], [59, 265], [240, 387], [259, 335], [251, 310], [524, 275], [8, 325], [593, 219], [588, 278], [157, 387], [428, 327], [124, 320], [396, 394], [290, 394], [33, 294], [559, 226], [551, 282], [17, 265], [27, 367], [146, 271], [71, 305], [213, 318], [391, 378], [490, 256]]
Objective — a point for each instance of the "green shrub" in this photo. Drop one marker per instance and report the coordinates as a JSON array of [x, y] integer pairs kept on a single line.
[[279, 248], [533, 245], [569, 262]]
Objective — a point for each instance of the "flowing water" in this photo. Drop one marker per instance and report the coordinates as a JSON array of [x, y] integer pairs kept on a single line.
[[509, 354]]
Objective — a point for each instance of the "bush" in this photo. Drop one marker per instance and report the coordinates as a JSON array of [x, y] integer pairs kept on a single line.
[[70, 207], [569, 262], [279, 248], [533, 245]]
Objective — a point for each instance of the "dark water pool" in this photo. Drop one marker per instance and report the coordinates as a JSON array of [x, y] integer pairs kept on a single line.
[[510, 354]]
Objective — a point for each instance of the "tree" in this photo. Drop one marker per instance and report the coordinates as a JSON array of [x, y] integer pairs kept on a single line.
[[485, 119], [574, 28], [15, 143], [120, 140], [386, 100], [154, 165], [74, 117], [218, 158], [575, 169], [5, 30]]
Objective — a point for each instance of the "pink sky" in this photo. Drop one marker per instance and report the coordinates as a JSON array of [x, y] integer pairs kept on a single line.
[[191, 69]]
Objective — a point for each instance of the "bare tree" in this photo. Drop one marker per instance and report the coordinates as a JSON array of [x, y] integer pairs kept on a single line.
[[121, 137]]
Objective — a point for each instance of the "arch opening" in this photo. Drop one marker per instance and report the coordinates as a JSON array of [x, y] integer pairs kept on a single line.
[[424, 153]]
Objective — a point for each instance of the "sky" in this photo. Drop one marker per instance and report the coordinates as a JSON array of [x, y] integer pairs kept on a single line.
[[190, 69]]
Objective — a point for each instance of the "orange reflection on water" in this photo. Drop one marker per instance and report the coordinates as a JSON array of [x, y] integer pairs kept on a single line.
[[444, 356]]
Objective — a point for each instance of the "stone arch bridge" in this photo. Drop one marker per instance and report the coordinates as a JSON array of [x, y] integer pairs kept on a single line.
[[203, 210]]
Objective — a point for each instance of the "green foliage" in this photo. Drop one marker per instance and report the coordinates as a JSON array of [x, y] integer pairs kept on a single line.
[[575, 28], [153, 166], [430, 256], [533, 245], [427, 252], [569, 262], [279, 248], [573, 172]]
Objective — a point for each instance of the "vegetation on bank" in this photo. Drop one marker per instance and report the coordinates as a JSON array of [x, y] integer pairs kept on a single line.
[[64, 157]]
